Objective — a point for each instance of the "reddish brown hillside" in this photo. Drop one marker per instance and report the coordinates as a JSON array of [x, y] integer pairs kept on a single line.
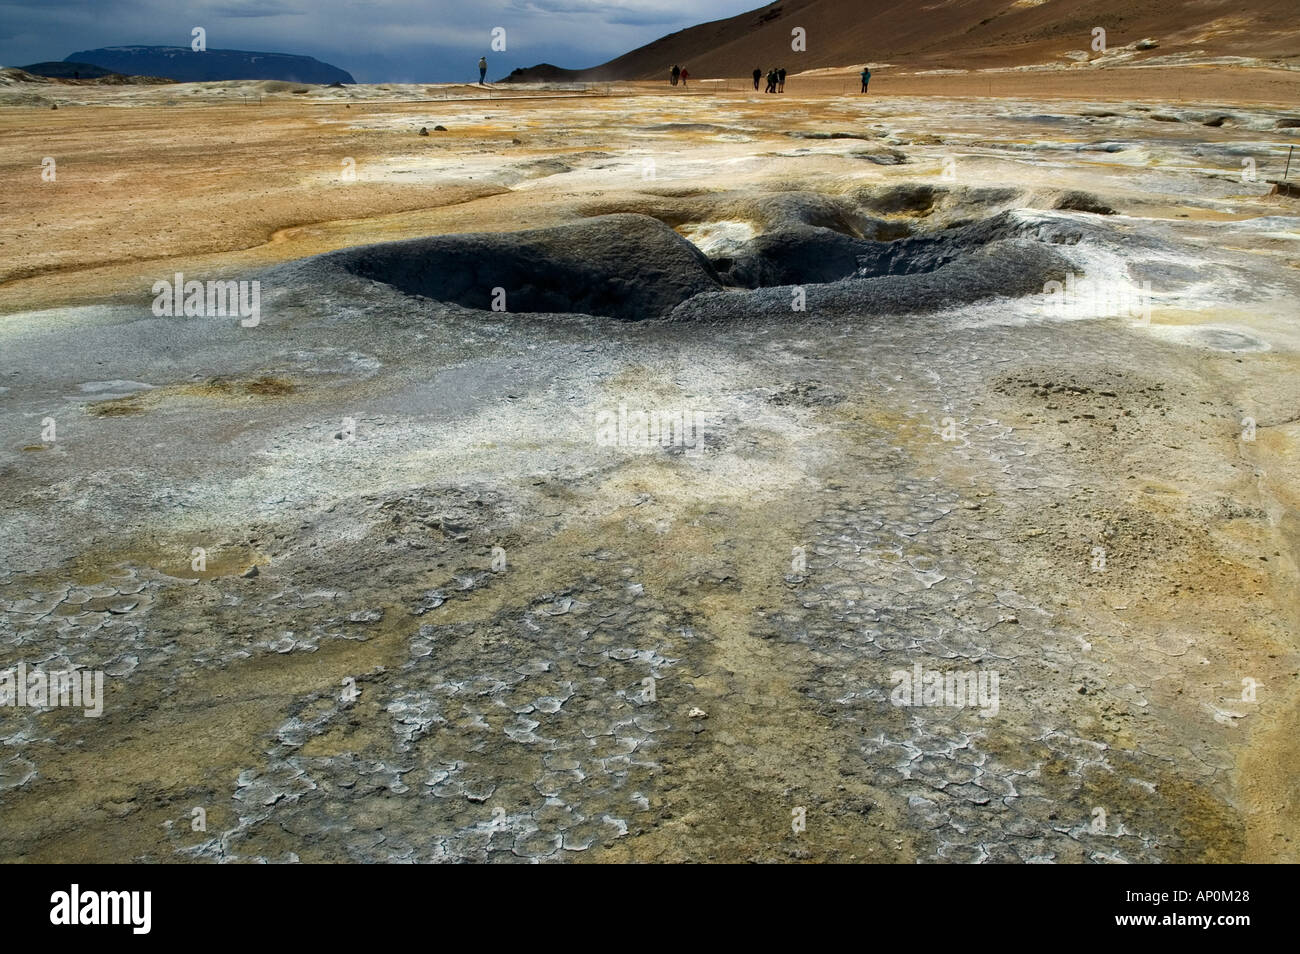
[[957, 34]]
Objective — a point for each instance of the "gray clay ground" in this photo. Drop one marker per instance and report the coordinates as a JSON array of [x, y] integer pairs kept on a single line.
[[916, 468]]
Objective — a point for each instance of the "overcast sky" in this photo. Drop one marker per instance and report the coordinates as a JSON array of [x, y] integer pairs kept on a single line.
[[374, 40]]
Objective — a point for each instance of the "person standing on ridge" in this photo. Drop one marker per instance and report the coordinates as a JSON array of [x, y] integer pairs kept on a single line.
[[482, 69], [771, 81], [866, 77], [780, 80], [685, 77], [676, 72], [758, 75]]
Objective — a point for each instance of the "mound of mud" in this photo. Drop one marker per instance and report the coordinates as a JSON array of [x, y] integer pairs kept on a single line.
[[813, 255], [800, 255], [1014, 271], [634, 267], [629, 267]]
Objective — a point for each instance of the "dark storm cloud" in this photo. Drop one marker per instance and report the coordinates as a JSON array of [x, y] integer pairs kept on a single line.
[[256, 9]]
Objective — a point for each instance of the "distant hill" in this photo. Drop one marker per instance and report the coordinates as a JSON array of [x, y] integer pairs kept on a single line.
[[545, 73], [186, 66], [65, 69], [964, 34], [13, 77]]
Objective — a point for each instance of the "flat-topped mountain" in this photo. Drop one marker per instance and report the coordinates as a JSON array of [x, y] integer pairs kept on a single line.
[[184, 65]]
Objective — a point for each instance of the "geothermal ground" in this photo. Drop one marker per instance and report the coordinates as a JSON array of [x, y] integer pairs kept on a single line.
[[383, 576]]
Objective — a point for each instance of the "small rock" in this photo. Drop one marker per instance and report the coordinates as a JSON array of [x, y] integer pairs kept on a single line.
[[697, 713], [251, 572], [439, 128], [431, 600], [424, 131]]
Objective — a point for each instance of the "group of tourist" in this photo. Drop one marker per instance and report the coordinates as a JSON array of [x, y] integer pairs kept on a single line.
[[679, 74], [775, 77]]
